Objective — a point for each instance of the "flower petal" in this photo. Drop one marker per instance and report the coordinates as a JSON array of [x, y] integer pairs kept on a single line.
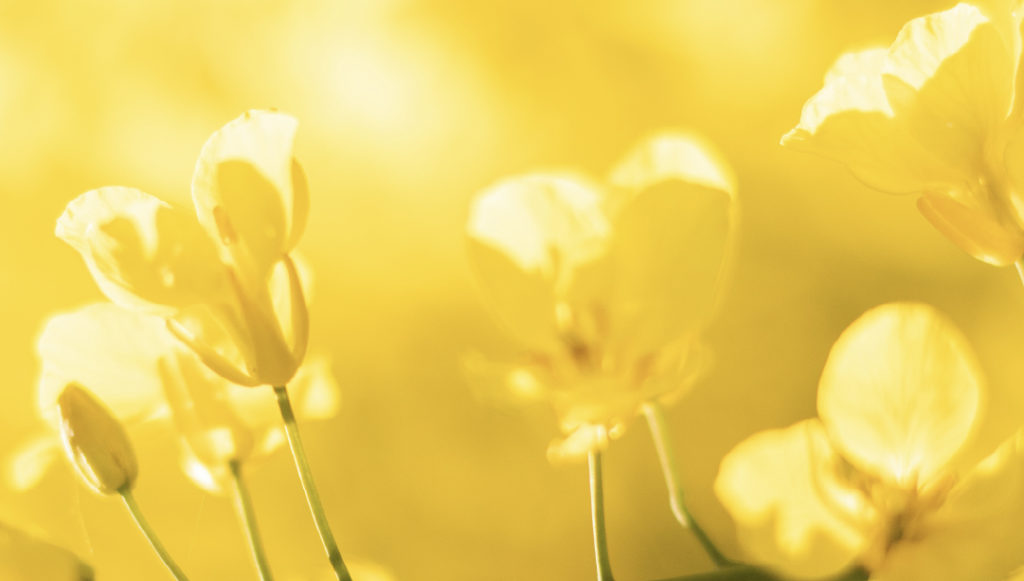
[[142, 252], [113, 351], [976, 534], [900, 392], [528, 238], [249, 192], [790, 514], [24, 558]]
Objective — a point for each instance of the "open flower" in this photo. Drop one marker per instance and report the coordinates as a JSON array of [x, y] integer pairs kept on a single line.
[[212, 279], [937, 114], [142, 373], [606, 286], [873, 483]]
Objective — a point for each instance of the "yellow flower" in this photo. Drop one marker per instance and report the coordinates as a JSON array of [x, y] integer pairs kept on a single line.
[[144, 374], [873, 482], [25, 558], [937, 114], [607, 287], [96, 442], [225, 284]]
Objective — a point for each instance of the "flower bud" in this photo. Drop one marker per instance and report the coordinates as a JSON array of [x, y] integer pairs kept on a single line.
[[95, 441]]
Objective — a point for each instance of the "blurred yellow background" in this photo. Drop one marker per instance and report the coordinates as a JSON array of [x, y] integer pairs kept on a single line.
[[408, 108]]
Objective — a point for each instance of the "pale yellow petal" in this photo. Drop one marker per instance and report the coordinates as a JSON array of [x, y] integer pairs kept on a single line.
[[24, 558], [142, 252], [900, 392], [29, 462], [976, 534], [578, 444], [668, 254], [527, 239], [113, 351], [850, 120], [949, 77], [790, 514], [249, 192], [989, 238], [670, 156]]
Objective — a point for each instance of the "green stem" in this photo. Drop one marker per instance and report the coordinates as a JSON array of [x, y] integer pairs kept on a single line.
[[750, 573], [150, 534], [243, 504], [666, 456], [604, 566], [291, 429]]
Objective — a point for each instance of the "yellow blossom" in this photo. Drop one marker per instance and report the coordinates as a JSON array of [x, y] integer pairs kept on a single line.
[[96, 442], [606, 286], [938, 114], [212, 279], [25, 558], [873, 482], [144, 374]]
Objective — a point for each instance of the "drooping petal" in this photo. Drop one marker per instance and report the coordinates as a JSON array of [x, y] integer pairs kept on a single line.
[[142, 252], [670, 242], [976, 534], [850, 121], [115, 352], [791, 515], [527, 239], [249, 192], [900, 392], [949, 76], [984, 234]]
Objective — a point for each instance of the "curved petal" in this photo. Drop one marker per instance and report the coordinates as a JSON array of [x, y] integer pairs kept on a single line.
[[976, 534], [900, 392], [791, 515], [669, 156], [949, 75], [528, 238], [249, 192], [142, 252], [24, 558], [115, 352], [975, 230]]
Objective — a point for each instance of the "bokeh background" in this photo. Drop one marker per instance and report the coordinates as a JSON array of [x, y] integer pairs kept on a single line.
[[407, 108]]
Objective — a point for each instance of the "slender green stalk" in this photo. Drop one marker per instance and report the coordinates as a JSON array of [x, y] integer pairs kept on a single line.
[[150, 534], [604, 566], [1019, 265], [308, 486], [749, 573], [243, 504], [666, 456]]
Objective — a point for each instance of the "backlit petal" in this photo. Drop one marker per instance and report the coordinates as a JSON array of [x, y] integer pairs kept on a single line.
[[791, 516], [900, 392], [142, 252], [249, 192]]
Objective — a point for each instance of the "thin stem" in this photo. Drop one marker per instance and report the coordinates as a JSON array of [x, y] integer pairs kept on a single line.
[[1019, 265], [666, 456], [243, 504], [150, 534], [604, 566], [308, 486]]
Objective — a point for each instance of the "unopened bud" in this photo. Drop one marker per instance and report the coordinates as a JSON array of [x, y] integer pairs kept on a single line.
[[95, 441]]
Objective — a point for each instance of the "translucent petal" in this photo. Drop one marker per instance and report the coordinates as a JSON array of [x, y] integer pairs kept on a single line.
[[31, 460], [949, 76], [850, 120], [115, 352], [527, 239], [900, 392], [24, 558], [790, 514], [578, 444], [671, 156], [975, 230], [249, 192], [142, 252], [668, 253], [976, 534]]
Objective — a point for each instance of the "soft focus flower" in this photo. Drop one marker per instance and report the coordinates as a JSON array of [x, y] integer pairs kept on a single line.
[[937, 114], [132, 362], [24, 558], [873, 483], [606, 286], [96, 442], [225, 283]]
